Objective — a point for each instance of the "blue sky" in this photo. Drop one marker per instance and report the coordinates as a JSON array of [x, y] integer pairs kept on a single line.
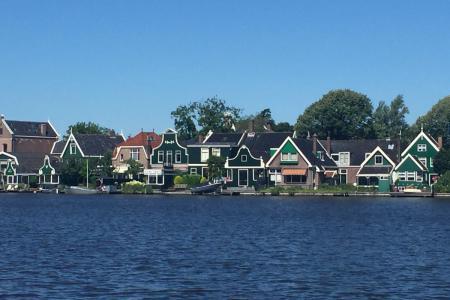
[[128, 64]]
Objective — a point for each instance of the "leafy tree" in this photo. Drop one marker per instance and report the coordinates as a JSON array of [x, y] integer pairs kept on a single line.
[[200, 117], [216, 167], [441, 162], [134, 168], [390, 120], [443, 183], [435, 122], [344, 114], [261, 121], [283, 127], [185, 119], [88, 128], [71, 170]]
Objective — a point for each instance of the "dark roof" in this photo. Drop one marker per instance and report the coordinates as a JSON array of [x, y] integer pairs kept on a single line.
[[58, 147], [359, 148], [97, 144], [224, 138], [307, 147], [30, 163], [28, 128], [375, 170], [260, 143]]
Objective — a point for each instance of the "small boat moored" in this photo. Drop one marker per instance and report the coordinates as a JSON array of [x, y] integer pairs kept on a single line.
[[76, 190]]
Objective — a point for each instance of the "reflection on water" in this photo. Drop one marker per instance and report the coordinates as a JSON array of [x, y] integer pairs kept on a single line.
[[223, 247]]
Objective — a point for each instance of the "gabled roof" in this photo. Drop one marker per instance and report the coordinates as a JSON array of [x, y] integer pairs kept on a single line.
[[147, 140], [30, 163], [414, 159], [260, 143], [58, 147], [10, 156], [376, 170], [29, 128], [359, 148], [429, 138], [307, 146], [232, 138], [95, 144]]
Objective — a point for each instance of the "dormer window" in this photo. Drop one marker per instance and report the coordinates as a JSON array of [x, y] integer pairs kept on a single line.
[[344, 158], [378, 159], [319, 155], [421, 147], [73, 148], [204, 155], [135, 153]]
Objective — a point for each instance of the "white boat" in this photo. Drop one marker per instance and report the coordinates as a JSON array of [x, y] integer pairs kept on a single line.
[[76, 190]]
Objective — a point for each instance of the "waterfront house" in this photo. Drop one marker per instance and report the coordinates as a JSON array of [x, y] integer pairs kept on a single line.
[[24, 146], [349, 156], [84, 146], [167, 159], [301, 162], [214, 144], [137, 148], [416, 169]]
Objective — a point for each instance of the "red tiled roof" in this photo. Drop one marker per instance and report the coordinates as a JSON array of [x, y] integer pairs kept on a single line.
[[142, 139]]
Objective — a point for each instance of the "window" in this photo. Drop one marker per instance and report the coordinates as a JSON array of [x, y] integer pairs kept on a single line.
[[193, 171], [294, 179], [423, 161], [204, 155], [229, 174], [431, 162], [160, 157], [284, 156], [410, 176], [289, 157], [169, 157], [378, 159], [319, 155], [73, 148], [402, 176], [243, 158], [344, 158], [135, 153], [5, 147], [421, 147], [178, 156], [342, 171], [121, 157], [215, 152], [419, 178]]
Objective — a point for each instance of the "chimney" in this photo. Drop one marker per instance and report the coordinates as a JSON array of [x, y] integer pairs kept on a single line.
[[2, 117], [43, 129], [328, 144], [314, 140], [251, 126], [200, 138], [440, 143], [269, 127]]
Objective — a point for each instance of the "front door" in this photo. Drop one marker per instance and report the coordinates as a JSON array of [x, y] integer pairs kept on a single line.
[[243, 177]]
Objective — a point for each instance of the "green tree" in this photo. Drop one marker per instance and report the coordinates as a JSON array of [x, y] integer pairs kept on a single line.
[[261, 121], [185, 119], [344, 114], [216, 167], [390, 120], [283, 127], [134, 168], [88, 128], [443, 183], [441, 162], [435, 122], [70, 171]]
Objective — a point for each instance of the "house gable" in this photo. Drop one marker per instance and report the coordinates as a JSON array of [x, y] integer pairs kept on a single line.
[[421, 139], [288, 147], [409, 164], [47, 168], [10, 170], [169, 144], [66, 153], [244, 159]]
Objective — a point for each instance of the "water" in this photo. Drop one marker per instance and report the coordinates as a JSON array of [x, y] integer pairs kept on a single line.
[[133, 247]]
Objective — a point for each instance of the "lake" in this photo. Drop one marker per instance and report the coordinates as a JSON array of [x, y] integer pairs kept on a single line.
[[158, 247]]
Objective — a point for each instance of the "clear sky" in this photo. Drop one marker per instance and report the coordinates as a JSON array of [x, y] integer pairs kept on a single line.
[[128, 64]]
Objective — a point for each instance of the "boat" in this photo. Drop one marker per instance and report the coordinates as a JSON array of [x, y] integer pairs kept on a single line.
[[76, 190], [409, 192], [205, 189]]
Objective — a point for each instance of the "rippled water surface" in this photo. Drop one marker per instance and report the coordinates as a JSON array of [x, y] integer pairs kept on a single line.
[[111, 247]]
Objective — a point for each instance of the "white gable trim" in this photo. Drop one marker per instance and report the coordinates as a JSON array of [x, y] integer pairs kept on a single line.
[[47, 158], [413, 159], [237, 155], [421, 134], [296, 148], [53, 127], [10, 156], [169, 131], [7, 126], [72, 138], [129, 147], [377, 149], [208, 135]]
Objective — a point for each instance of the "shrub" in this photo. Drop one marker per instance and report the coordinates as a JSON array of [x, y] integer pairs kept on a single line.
[[191, 180], [133, 187], [178, 180], [275, 191], [443, 183], [203, 180]]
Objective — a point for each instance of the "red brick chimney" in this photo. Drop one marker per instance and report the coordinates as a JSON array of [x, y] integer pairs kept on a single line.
[[440, 143]]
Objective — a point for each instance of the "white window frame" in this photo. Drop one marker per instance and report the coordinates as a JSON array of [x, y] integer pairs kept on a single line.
[[239, 178], [204, 154], [377, 157], [193, 171], [289, 157], [178, 156], [230, 174], [242, 158], [343, 171], [411, 176], [160, 156], [402, 176], [72, 148], [431, 162], [134, 153], [215, 151], [343, 154], [421, 147]]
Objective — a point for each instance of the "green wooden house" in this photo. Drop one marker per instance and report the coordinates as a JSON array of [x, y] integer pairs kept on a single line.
[[377, 168], [245, 170], [416, 169], [169, 158]]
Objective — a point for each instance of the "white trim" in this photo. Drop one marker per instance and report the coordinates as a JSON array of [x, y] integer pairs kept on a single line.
[[47, 158], [282, 145], [208, 146], [198, 165], [53, 127], [72, 138], [250, 154], [413, 159], [119, 148], [239, 178], [7, 126], [421, 134], [374, 152], [10, 156], [208, 135], [170, 131], [242, 137]]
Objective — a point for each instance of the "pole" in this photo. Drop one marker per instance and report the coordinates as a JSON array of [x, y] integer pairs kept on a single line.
[[87, 173]]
